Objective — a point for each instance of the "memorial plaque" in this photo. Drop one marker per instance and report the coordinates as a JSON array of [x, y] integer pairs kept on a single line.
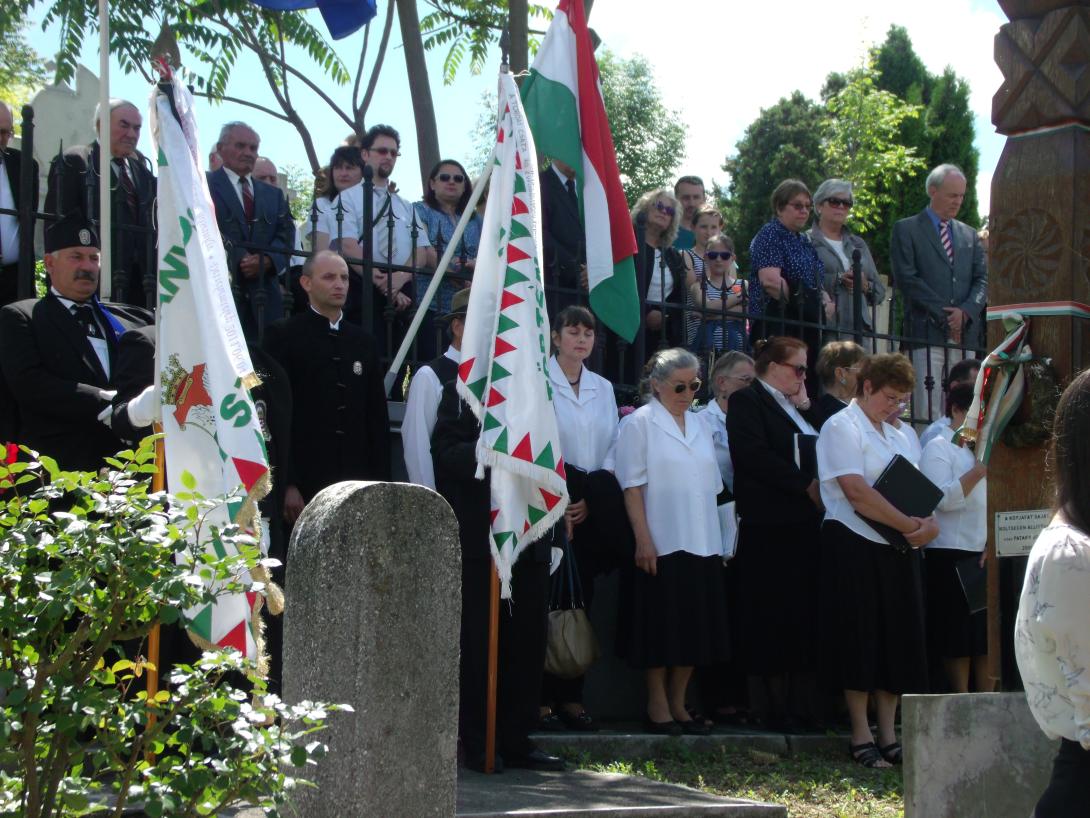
[[1016, 531]]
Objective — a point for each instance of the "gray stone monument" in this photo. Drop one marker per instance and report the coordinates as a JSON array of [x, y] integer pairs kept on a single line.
[[976, 755], [373, 603]]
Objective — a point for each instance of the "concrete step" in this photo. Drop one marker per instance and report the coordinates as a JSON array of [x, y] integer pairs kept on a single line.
[[626, 741], [582, 794]]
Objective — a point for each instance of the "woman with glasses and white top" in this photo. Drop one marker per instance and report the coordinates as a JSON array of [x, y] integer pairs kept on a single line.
[[874, 629], [676, 616], [586, 416], [777, 500]]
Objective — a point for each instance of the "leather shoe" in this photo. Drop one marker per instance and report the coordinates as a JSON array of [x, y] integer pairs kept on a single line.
[[581, 722], [550, 723], [661, 728], [535, 760], [475, 762]]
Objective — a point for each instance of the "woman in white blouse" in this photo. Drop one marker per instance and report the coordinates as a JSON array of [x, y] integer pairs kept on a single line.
[[1052, 630], [955, 634], [586, 415], [875, 626], [730, 372], [678, 614]]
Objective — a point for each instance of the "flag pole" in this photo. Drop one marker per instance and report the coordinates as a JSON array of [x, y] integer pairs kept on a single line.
[[104, 154], [158, 483]]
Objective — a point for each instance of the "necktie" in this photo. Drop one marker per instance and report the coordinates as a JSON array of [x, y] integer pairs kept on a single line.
[[944, 237], [128, 187], [86, 317], [570, 185], [247, 198]]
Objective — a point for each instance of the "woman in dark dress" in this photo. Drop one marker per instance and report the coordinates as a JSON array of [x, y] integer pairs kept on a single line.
[[779, 505]]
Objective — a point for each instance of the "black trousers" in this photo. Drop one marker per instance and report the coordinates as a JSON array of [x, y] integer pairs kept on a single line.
[[523, 623], [9, 284], [1068, 792]]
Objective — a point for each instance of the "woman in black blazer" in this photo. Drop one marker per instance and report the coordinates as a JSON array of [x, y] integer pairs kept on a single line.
[[780, 509]]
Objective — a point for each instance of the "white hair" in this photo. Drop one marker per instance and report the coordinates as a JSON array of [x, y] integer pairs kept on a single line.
[[114, 104], [936, 177], [225, 131], [667, 361]]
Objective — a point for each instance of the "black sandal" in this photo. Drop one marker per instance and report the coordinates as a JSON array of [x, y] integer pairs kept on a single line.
[[892, 753], [866, 754]]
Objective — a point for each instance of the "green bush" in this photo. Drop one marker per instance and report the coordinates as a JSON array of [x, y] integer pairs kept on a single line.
[[90, 561]]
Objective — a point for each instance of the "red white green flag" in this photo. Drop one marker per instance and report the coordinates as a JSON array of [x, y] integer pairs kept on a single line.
[[563, 99], [504, 350], [212, 435]]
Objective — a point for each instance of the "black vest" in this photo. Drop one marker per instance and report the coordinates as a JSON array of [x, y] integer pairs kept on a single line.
[[444, 368]]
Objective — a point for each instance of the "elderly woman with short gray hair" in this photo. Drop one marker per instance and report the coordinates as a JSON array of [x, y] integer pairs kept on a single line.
[[677, 616], [835, 246]]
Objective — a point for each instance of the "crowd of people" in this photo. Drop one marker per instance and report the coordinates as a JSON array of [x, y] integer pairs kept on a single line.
[[736, 527]]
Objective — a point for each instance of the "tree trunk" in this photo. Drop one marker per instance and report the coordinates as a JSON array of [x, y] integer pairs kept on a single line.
[[427, 133], [519, 28]]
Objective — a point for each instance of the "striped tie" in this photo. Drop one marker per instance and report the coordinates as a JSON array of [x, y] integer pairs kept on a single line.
[[944, 236]]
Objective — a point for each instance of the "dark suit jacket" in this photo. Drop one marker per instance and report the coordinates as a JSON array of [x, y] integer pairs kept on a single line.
[[56, 378], [336, 433], [930, 282], [454, 454], [134, 237], [562, 240], [768, 487], [272, 230], [13, 162]]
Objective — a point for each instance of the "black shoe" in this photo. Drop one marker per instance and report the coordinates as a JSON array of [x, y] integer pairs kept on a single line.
[[581, 722], [550, 723], [475, 762], [695, 727], [661, 728], [535, 760]]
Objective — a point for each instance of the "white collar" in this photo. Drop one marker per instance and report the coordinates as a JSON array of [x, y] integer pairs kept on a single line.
[[557, 376], [332, 324], [234, 177], [454, 354], [68, 302], [662, 418], [563, 179], [713, 407], [861, 418]]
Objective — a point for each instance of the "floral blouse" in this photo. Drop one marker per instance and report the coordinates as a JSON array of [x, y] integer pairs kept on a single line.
[[776, 246], [1052, 632]]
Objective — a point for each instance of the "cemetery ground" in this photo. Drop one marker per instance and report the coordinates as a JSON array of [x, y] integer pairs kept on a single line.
[[821, 784]]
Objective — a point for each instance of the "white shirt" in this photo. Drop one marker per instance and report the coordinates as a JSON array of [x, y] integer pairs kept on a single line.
[[712, 417], [787, 406], [849, 444], [912, 441], [655, 292], [9, 225], [564, 179], [233, 179], [934, 430], [351, 201], [679, 477], [588, 422], [963, 521], [1052, 633], [332, 324], [99, 345], [421, 409]]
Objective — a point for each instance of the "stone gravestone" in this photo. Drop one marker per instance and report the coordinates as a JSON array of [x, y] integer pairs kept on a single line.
[[373, 603], [978, 755]]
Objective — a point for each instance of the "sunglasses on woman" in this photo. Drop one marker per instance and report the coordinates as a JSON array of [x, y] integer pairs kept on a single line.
[[726, 255], [800, 369], [692, 386], [835, 202], [665, 208], [449, 177]]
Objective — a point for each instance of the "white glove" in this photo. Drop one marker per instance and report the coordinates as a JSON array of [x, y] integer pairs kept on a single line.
[[145, 408], [556, 555], [106, 417]]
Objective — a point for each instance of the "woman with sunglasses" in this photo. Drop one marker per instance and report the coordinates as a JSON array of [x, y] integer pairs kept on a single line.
[[675, 614], [874, 637], [835, 246], [711, 296], [776, 492], [445, 199], [786, 284], [666, 270]]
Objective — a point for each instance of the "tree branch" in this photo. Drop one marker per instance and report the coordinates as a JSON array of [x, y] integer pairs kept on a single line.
[[370, 92], [247, 103], [359, 69]]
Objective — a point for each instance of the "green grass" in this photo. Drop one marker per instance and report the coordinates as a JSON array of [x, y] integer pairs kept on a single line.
[[810, 786]]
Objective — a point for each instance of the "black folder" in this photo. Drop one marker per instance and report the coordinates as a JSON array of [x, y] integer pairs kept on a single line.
[[974, 582], [909, 491]]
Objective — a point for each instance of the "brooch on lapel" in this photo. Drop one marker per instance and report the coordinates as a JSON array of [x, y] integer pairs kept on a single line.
[[357, 368]]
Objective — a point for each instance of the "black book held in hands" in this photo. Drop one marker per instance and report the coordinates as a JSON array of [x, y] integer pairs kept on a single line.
[[909, 491]]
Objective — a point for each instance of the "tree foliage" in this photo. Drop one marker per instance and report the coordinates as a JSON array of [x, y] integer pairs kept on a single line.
[[22, 70], [861, 144]]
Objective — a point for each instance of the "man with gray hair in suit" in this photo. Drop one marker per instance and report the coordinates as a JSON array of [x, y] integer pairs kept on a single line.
[[939, 265]]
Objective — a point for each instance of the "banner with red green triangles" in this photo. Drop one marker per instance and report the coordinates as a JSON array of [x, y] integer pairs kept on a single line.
[[505, 349], [212, 435]]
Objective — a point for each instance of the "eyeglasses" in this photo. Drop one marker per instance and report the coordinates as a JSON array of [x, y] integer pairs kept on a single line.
[[385, 151], [835, 202], [799, 369], [665, 208], [893, 399], [692, 386], [799, 206], [746, 379], [726, 255], [451, 177]]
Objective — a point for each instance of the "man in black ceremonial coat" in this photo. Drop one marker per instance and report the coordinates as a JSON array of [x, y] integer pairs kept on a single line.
[[340, 427], [59, 353], [522, 624]]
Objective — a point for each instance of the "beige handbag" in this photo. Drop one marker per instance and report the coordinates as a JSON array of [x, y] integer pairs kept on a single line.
[[571, 647]]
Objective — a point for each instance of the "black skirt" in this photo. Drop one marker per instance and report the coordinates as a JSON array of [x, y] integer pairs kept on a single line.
[[677, 618], [1069, 788], [874, 631], [952, 631], [779, 593]]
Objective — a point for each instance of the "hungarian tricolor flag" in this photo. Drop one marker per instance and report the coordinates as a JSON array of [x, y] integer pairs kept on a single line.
[[505, 350], [212, 435], [563, 100]]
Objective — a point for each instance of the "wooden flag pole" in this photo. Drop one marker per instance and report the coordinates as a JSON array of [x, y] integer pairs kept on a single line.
[[158, 483], [493, 668]]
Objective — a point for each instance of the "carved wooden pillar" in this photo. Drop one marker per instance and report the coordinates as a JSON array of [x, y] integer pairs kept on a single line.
[[1039, 239]]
